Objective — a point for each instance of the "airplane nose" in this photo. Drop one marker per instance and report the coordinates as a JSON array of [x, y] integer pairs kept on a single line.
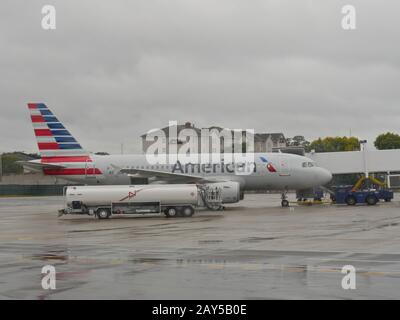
[[325, 176]]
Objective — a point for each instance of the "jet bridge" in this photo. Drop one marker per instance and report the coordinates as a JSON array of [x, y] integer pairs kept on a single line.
[[372, 161]]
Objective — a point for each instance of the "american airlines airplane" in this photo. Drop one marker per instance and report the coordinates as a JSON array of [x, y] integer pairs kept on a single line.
[[62, 156]]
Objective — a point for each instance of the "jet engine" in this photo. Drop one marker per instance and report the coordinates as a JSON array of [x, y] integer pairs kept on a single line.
[[230, 191]]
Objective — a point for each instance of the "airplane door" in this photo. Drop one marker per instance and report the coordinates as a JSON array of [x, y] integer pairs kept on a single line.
[[283, 166], [90, 169]]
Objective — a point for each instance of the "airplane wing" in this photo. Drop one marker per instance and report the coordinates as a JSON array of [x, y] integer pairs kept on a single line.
[[37, 166], [168, 176]]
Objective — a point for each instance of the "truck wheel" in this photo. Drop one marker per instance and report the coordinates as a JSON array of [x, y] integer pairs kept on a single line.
[[103, 213], [388, 200], [371, 200], [171, 212], [187, 211], [351, 201]]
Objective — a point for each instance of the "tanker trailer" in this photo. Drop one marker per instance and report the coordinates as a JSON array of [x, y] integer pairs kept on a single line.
[[103, 201]]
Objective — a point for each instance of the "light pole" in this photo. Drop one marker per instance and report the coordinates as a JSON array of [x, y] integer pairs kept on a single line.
[[363, 144], [1, 166]]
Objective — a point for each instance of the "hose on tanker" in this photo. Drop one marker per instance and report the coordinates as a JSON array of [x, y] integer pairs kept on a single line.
[[210, 205]]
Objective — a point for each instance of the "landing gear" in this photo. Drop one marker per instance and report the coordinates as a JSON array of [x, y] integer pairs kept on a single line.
[[284, 202]]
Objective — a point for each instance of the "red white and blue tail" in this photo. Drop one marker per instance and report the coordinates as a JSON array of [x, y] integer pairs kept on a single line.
[[54, 141]]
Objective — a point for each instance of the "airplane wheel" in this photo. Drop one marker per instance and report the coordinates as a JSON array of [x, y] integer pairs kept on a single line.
[[351, 201], [171, 212], [371, 200], [285, 203], [187, 211], [103, 213]]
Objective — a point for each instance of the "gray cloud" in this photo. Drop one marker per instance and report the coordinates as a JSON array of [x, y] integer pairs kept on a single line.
[[113, 70]]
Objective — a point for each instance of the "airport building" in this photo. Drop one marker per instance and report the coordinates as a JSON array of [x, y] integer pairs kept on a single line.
[[263, 142]]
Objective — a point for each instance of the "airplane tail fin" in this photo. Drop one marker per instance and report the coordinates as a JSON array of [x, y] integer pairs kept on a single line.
[[53, 139]]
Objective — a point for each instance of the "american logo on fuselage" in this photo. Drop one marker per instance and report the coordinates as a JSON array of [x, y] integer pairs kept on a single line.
[[269, 165]]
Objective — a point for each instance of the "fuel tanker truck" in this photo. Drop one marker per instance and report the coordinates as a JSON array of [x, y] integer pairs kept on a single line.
[[171, 199]]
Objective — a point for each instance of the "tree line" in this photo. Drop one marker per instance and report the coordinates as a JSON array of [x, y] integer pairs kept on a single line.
[[384, 141]]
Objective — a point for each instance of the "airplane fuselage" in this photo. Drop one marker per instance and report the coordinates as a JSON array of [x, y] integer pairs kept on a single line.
[[266, 171]]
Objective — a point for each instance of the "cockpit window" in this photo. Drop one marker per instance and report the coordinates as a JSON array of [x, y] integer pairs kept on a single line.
[[308, 164]]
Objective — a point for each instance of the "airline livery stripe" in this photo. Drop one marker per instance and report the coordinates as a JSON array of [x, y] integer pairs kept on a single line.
[[48, 145], [40, 125], [60, 153], [37, 106], [69, 146], [43, 133], [66, 159], [65, 139], [45, 112], [56, 125], [35, 112], [71, 172], [50, 119], [45, 139], [60, 132], [37, 119]]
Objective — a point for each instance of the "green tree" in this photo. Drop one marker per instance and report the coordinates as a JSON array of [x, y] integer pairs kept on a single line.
[[10, 165], [298, 141], [334, 144], [387, 140]]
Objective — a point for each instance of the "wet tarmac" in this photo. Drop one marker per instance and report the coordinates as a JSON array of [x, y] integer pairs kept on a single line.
[[252, 250]]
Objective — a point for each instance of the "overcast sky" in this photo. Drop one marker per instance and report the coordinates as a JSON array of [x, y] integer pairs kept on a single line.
[[114, 69]]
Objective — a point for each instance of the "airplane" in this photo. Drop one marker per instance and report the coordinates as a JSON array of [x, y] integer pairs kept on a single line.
[[63, 157]]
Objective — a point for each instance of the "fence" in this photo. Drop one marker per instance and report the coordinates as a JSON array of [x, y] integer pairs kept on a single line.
[[31, 190]]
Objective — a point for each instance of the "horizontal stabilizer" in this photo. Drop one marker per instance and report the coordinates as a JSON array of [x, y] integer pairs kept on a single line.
[[37, 166]]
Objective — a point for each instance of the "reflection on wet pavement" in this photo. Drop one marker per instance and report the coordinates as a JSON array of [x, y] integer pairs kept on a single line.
[[260, 252]]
